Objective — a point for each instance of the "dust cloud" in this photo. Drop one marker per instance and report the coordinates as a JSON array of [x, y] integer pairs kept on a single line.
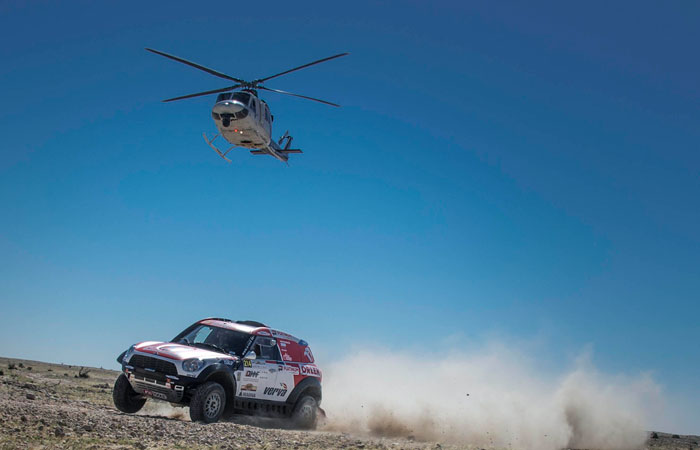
[[496, 397], [164, 409]]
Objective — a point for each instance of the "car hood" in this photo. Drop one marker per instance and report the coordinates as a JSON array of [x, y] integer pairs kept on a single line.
[[179, 352]]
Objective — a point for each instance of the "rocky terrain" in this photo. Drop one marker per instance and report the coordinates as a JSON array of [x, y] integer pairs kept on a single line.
[[60, 406]]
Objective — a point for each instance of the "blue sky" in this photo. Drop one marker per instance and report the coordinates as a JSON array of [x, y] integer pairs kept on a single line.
[[529, 171]]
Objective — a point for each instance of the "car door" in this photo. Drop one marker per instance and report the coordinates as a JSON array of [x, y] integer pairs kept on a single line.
[[258, 378], [275, 389]]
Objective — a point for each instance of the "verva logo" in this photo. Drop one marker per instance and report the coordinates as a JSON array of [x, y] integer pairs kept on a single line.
[[310, 371], [275, 391]]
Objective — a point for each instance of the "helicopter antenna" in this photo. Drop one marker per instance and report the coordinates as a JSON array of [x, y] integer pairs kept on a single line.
[[245, 85]]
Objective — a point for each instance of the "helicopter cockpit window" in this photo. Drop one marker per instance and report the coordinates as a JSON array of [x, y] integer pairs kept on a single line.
[[242, 97], [224, 96], [252, 107]]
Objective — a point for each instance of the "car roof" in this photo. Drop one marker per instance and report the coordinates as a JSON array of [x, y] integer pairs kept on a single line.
[[249, 327]]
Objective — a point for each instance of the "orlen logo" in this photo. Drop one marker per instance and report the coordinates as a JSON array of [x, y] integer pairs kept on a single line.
[[311, 371]]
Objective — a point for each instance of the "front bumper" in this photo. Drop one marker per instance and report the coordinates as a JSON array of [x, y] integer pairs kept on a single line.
[[160, 386], [167, 390], [162, 378]]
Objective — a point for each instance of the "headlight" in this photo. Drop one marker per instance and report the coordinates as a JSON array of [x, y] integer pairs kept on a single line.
[[192, 365]]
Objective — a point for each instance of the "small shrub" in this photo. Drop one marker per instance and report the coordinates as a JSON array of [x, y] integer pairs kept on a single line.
[[49, 369], [1, 373], [11, 366], [21, 366], [29, 367], [83, 373]]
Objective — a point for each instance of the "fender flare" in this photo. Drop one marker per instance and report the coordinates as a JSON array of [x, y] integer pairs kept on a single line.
[[310, 385], [220, 372]]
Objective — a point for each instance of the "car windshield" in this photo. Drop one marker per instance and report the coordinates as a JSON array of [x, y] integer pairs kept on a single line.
[[219, 339]]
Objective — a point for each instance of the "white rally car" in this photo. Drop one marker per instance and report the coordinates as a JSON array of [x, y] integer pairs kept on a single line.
[[219, 366]]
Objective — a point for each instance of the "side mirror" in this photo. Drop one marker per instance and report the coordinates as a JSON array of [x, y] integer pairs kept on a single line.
[[250, 355]]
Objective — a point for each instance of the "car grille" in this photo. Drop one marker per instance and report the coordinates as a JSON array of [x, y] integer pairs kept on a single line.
[[146, 362]]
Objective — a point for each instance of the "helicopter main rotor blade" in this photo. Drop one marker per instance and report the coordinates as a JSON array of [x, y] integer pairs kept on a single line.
[[301, 67], [198, 94], [197, 66], [297, 95]]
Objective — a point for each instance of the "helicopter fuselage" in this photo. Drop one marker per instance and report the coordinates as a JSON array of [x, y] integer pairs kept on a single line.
[[243, 120]]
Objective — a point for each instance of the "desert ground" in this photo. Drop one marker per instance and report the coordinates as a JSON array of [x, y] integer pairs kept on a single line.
[[52, 406]]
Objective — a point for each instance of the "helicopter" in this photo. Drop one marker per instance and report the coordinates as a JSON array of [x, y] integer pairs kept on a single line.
[[241, 117]]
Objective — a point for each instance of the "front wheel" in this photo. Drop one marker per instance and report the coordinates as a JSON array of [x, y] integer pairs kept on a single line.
[[125, 398], [208, 402], [305, 414]]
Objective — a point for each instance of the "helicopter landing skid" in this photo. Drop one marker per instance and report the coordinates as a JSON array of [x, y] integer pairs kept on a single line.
[[210, 143]]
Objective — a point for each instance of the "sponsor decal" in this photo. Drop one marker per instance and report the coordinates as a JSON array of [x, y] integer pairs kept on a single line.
[[154, 394], [307, 354], [279, 392], [311, 371], [284, 386], [249, 387], [282, 334], [247, 394], [294, 370], [228, 362], [247, 363], [286, 357], [263, 333], [252, 373], [250, 340]]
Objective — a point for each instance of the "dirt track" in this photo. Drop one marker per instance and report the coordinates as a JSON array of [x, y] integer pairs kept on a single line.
[[49, 406]]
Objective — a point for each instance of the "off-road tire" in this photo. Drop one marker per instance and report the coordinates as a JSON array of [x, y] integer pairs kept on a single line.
[[208, 403], [305, 414], [125, 398]]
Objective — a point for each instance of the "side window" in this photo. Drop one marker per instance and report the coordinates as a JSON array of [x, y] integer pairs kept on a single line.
[[253, 107], [266, 348]]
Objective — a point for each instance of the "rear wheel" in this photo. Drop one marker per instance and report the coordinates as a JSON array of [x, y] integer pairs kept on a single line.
[[125, 398], [305, 414], [208, 403]]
